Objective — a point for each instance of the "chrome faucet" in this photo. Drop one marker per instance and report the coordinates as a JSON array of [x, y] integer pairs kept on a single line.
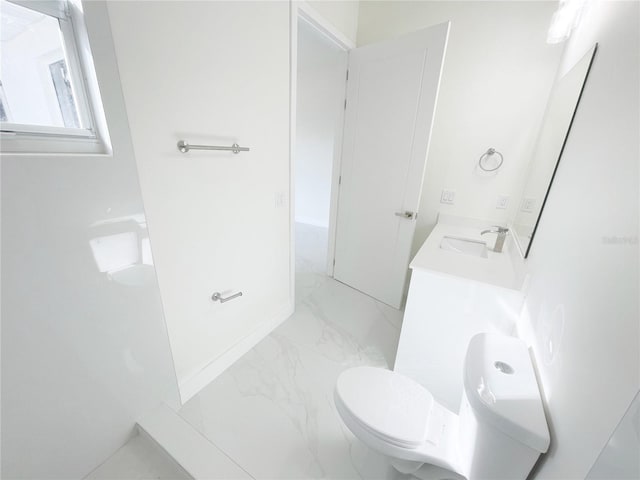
[[502, 235]]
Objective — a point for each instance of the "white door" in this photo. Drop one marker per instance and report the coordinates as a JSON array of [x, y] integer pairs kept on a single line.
[[391, 98]]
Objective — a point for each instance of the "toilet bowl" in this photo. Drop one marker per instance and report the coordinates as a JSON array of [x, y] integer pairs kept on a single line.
[[499, 432]]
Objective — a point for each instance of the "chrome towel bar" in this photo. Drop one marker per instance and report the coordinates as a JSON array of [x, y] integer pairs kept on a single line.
[[184, 147]]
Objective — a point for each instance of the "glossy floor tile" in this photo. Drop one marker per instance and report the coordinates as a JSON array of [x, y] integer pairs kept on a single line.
[[139, 459], [272, 412]]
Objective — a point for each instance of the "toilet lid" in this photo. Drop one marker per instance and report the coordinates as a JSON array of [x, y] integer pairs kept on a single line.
[[390, 405]]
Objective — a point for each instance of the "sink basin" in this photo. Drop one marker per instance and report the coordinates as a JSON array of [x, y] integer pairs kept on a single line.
[[466, 246]]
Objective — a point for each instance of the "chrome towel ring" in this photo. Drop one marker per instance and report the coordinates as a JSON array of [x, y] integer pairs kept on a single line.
[[486, 155]]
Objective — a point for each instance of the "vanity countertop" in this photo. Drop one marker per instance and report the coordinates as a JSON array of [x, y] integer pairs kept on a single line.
[[499, 269]]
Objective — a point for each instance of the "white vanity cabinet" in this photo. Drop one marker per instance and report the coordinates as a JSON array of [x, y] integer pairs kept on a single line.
[[452, 296]]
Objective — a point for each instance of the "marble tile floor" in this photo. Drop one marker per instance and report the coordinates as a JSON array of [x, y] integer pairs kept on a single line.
[[139, 459], [273, 412]]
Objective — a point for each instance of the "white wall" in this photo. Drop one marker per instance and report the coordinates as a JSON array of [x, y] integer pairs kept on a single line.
[[581, 311], [342, 14], [212, 73], [84, 352], [320, 95], [497, 75]]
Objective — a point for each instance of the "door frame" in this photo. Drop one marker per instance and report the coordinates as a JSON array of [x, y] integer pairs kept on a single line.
[[301, 10]]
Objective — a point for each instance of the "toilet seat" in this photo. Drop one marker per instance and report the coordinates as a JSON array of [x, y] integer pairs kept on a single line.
[[398, 417], [390, 406]]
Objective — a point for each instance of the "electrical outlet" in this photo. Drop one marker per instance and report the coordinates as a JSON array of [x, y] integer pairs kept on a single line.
[[528, 204], [503, 202], [448, 197]]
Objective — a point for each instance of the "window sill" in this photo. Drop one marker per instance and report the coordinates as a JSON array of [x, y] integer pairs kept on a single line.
[[33, 144]]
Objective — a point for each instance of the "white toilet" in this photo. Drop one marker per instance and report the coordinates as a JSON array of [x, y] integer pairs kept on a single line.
[[499, 432]]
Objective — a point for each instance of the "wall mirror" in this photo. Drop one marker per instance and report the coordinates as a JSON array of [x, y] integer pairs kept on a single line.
[[556, 125]]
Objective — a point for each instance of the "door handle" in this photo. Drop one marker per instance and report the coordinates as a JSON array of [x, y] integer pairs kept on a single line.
[[407, 214]]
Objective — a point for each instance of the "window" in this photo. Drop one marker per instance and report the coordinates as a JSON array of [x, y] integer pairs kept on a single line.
[[44, 101], [64, 93], [4, 114]]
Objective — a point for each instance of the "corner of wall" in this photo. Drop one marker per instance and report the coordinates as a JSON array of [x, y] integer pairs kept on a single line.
[[190, 386], [343, 15]]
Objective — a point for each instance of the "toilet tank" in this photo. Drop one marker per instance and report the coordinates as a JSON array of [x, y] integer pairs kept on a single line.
[[503, 429]]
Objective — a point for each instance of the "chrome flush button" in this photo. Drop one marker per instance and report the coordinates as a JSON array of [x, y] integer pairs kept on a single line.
[[504, 367]]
